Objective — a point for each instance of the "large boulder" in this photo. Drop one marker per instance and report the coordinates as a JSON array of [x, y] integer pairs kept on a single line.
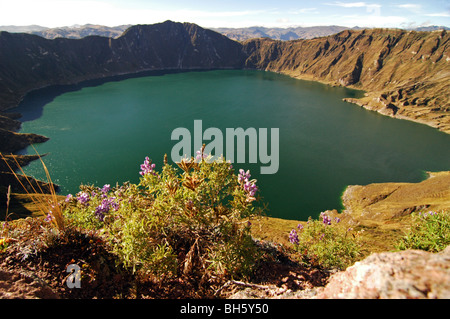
[[393, 275]]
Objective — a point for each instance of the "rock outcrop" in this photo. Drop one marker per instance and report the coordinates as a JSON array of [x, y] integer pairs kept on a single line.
[[409, 274]]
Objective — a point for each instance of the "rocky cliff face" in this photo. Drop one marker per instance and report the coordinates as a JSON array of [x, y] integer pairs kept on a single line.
[[406, 73], [30, 62]]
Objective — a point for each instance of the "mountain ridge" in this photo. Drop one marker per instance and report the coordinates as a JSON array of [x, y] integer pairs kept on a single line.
[[72, 32], [238, 34], [29, 62], [405, 73]]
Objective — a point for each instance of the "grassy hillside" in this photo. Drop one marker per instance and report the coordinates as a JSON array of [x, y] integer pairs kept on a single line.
[[406, 74]]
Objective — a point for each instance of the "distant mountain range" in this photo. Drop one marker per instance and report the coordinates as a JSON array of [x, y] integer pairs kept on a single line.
[[72, 32], [286, 34], [295, 33], [238, 34]]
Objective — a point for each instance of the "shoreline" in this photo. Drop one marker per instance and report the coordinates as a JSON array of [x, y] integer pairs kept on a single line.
[[369, 101], [63, 88], [95, 81]]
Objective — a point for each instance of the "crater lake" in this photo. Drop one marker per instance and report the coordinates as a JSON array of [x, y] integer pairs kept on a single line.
[[100, 133]]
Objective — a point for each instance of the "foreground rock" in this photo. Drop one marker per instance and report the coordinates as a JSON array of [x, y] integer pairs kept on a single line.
[[407, 274]]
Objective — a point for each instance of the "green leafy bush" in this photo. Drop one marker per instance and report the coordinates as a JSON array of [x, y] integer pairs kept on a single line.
[[430, 231], [326, 243], [193, 221]]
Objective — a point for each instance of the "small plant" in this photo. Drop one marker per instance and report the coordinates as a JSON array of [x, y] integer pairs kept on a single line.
[[430, 231], [326, 242], [192, 222], [47, 203]]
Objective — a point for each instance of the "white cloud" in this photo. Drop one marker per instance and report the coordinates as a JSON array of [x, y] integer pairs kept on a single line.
[[354, 4], [439, 14], [348, 5], [374, 21], [415, 8], [409, 6]]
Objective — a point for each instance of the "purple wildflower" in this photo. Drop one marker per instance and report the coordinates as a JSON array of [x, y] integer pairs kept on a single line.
[[293, 237], [425, 215], [114, 205], [325, 219], [105, 206], [99, 214], [49, 217], [300, 227], [251, 188], [102, 209], [83, 198], [106, 188], [199, 155], [68, 198], [243, 176], [147, 167], [337, 219]]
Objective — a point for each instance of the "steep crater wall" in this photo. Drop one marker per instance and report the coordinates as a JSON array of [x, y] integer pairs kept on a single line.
[[406, 74]]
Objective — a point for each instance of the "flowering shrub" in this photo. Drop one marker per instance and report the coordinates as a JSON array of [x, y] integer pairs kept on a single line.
[[430, 231], [190, 221], [325, 242]]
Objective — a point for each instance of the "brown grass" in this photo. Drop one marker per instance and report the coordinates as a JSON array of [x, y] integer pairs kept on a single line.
[[45, 204]]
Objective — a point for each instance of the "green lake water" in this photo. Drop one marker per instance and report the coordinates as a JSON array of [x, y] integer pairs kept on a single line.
[[100, 133]]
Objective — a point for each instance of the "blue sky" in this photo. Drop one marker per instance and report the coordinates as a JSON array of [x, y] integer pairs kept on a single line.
[[227, 13]]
